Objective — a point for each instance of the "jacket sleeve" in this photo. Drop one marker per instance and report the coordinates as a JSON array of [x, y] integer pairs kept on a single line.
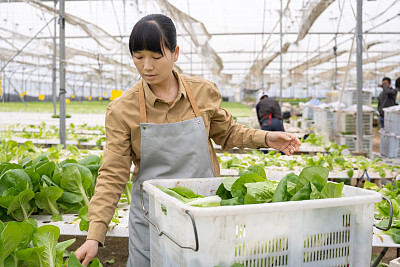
[[391, 93], [113, 175], [226, 132]]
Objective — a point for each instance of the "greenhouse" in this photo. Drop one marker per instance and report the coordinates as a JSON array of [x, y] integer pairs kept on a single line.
[[199, 133]]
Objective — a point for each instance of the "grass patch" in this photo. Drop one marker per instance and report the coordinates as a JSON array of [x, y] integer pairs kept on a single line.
[[97, 107], [237, 109], [75, 107]]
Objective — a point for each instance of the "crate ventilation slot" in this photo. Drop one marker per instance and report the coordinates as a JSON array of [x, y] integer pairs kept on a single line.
[[272, 252], [327, 246]]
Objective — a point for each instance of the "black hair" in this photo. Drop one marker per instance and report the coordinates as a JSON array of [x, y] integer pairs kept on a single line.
[[153, 32], [387, 79], [397, 84]]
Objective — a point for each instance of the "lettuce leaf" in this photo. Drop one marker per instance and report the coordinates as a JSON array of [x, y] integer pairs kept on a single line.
[[332, 190], [260, 192]]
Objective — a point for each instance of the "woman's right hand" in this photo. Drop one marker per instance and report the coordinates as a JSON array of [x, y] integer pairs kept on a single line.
[[87, 251]]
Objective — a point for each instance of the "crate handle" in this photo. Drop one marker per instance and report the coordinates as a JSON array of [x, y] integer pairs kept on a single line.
[[160, 233], [391, 215]]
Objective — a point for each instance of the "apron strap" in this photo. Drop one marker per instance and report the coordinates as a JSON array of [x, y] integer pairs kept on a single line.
[[191, 98], [142, 102]]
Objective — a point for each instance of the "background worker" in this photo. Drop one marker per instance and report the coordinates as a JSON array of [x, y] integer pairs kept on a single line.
[[269, 113], [386, 98]]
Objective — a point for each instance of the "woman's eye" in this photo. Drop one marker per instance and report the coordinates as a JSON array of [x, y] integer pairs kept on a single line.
[[138, 57], [157, 57]]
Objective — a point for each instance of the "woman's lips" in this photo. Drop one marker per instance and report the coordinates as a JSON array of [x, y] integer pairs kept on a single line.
[[150, 76]]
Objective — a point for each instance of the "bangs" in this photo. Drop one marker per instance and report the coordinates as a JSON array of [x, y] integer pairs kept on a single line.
[[148, 37]]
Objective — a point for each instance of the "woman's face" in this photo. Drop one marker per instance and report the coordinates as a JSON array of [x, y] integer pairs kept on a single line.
[[155, 68]]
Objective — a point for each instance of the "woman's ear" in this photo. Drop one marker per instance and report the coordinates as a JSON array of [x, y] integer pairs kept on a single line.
[[176, 53]]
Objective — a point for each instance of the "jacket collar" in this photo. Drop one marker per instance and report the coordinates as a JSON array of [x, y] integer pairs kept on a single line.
[[151, 98]]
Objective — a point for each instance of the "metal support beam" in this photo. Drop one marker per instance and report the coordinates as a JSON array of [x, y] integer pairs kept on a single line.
[[280, 58], [234, 33], [359, 78], [61, 21], [54, 70]]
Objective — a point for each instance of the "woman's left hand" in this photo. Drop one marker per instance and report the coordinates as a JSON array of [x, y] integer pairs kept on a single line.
[[285, 142]]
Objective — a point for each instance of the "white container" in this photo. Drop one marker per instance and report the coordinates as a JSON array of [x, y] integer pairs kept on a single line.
[[389, 145], [348, 122], [308, 112], [325, 121], [325, 232], [351, 141], [392, 122], [350, 97]]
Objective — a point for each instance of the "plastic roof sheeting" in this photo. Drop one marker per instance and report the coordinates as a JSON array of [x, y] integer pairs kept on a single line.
[[234, 43]]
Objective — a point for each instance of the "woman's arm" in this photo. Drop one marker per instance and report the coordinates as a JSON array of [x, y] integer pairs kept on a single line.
[[113, 175], [227, 133]]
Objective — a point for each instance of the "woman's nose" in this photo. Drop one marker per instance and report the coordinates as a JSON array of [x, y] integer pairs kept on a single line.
[[148, 64]]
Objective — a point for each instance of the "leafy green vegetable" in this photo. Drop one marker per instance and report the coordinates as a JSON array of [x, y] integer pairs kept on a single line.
[[223, 193], [84, 218], [47, 199], [394, 233], [316, 175], [172, 193], [239, 189], [302, 194], [47, 236], [187, 196], [286, 188], [257, 169], [72, 181], [19, 207], [128, 191], [185, 192], [260, 192], [332, 190], [310, 184], [252, 187], [11, 237], [231, 202], [212, 201]]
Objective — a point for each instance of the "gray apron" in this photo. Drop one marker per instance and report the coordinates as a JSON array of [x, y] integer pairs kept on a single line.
[[168, 151]]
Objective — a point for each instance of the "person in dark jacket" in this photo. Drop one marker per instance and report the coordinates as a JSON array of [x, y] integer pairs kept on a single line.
[[269, 113], [386, 98]]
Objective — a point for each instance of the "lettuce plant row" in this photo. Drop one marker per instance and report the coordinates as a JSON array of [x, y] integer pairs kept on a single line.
[[334, 161], [26, 244]]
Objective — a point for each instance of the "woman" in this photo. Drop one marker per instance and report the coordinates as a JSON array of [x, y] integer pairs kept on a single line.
[[164, 125]]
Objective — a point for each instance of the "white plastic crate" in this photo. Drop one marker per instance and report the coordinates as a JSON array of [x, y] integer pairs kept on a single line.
[[308, 112], [351, 141], [324, 120], [389, 145], [317, 118], [392, 122], [350, 97], [325, 232], [332, 96], [348, 123]]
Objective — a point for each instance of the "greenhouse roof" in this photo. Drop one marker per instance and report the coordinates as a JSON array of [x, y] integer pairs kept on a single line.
[[234, 43]]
